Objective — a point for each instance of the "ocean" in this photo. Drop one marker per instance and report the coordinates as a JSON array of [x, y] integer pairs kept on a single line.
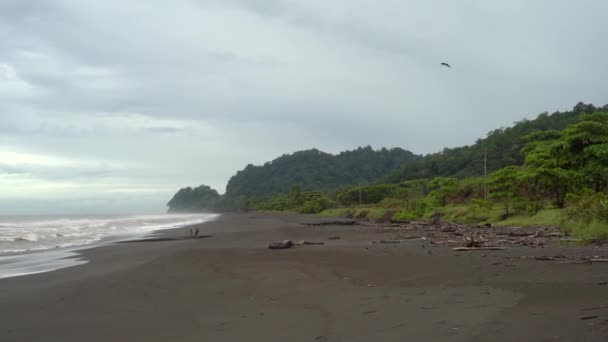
[[34, 244]]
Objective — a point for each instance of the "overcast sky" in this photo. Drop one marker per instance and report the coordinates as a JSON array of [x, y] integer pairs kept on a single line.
[[112, 105]]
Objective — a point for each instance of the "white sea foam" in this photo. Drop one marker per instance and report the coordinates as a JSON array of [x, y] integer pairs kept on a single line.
[[36, 234], [22, 239]]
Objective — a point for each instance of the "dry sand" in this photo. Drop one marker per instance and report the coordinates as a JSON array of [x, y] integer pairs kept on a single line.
[[230, 287]]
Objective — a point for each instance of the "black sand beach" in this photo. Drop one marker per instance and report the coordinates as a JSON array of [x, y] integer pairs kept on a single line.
[[230, 287]]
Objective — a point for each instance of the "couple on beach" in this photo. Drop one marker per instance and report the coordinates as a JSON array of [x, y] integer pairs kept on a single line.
[[194, 232]]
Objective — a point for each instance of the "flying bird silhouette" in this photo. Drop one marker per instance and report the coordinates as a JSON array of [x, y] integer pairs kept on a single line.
[[446, 64]]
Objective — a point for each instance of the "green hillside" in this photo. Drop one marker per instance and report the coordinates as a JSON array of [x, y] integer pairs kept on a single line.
[[551, 170], [502, 147], [315, 170]]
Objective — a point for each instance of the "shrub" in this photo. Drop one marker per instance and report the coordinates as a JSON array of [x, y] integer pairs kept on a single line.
[[586, 216], [316, 205], [586, 208]]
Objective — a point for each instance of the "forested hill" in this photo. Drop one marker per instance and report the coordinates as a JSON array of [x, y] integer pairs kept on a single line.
[[313, 170], [316, 170], [194, 199], [502, 146]]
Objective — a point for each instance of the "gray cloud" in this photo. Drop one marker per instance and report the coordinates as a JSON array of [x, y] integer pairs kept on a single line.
[[189, 92]]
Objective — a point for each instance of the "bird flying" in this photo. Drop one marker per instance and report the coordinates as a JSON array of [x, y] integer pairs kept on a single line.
[[446, 64]]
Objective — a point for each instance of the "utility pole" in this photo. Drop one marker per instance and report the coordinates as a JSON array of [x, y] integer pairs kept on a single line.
[[360, 201], [486, 190]]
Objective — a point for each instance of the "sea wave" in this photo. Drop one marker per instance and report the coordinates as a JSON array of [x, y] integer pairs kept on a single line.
[[36, 234]]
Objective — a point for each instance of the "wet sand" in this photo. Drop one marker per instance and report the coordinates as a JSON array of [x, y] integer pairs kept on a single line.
[[230, 287]]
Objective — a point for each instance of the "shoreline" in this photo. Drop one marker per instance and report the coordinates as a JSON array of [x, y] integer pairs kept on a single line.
[[231, 287], [35, 261]]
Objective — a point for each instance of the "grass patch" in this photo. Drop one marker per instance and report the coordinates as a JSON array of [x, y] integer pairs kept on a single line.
[[392, 203], [467, 214], [372, 213], [337, 212], [462, 214], [545, 217], [586, 231]]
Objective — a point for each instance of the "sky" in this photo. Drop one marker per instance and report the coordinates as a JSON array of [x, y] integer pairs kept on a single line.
[[111, 106]]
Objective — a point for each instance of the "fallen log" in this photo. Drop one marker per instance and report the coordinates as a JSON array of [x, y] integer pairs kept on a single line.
[[385, 241], [280, 244], [559, 235], [516, 233], [448, 242], [308, 243], [333, 223], [474, 241], [547, 258], [409, 237], [448, 229], [581, 261], [465, 249]]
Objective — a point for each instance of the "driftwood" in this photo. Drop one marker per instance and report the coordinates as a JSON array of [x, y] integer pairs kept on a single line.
[[280, 244], [554, 235], [585, 260], [548, 258], [408, 237], [468, 236], [386, 241], [333, 238], [519, 233], [448, 242], [300, 243], [474, 241], [333, 223], [563, 259], [448, 229], [399, 221], [489, 248]]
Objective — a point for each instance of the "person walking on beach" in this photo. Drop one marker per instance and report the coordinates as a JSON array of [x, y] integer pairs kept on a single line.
[[194, 232]]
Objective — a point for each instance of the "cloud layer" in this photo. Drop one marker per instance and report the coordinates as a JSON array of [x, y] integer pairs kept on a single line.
[[123, 102]]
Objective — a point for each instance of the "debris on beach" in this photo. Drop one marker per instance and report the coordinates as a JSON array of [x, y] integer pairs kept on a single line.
[[489, 248], [475, 241], [332, 223], [281, 244], [466, 237], [385, 241], [333, 238], [408, 237], [445, 233], [448, 242], [303, 242]]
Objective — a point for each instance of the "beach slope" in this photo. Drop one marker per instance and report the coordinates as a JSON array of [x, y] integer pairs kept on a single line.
[[231, 287]]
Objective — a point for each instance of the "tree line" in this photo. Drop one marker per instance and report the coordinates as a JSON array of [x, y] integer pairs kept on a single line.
[[553, 161]]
